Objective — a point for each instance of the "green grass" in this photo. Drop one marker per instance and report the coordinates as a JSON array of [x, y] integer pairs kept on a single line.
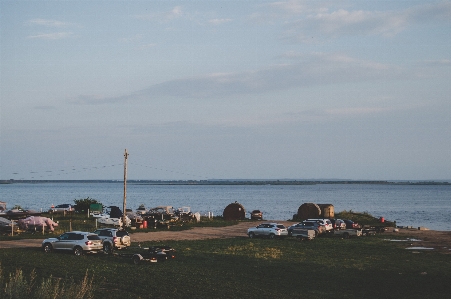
[[362, 218], [366, 267]]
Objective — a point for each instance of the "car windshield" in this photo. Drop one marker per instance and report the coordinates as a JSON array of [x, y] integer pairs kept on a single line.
[[280, 226], [93, 237], [121, 233]]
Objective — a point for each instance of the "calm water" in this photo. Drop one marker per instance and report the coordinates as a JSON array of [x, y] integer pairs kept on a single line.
[[427, 206]]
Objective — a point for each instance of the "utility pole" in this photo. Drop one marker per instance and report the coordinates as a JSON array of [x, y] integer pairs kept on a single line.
[[124, 214]]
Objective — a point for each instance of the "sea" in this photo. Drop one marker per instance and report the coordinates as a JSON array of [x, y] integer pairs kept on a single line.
[[420, 205]]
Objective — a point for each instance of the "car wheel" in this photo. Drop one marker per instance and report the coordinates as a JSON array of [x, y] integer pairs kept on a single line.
[[107, 248], [136, 260], [251, 235], [48, 248], [78, 251], [272, 236]]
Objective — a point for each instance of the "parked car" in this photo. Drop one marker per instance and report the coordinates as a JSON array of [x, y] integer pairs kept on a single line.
[[113, 238], [351, 224], [256, 215], [76, 241], [325, 222], [112, 216], [308, 225], [64, 208], [270, 230], [338, 223]]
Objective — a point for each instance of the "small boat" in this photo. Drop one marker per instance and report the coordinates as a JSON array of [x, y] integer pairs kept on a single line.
[[20, 214]]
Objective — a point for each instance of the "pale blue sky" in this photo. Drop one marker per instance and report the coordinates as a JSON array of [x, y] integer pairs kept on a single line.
[[226, 89]]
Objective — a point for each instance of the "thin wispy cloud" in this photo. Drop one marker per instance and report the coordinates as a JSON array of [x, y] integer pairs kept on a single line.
[[132, 39], [344, 22], [51, 36], [308, 70], [219, 21], [44, 107], [47, 23], [163, 16]]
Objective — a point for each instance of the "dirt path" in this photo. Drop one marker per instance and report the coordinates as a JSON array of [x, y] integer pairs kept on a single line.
[[200, 233], [439, 240]]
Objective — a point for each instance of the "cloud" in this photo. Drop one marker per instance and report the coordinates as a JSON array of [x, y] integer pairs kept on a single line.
[[304, 22], [354, 111], [219, 21], [47, 23], [50, 24], [164, 16], [132, 39], [303, 71], [51, 36], [44, 107]]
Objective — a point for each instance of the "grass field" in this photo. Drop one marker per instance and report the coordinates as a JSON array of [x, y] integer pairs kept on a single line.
[[366, 267]]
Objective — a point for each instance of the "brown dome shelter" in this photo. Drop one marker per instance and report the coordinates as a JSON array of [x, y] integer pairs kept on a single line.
[[234, 211], [308, 210], [312, 210]]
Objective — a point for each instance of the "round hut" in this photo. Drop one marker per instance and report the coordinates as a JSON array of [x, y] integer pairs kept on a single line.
[[308, 210], [234, 211]]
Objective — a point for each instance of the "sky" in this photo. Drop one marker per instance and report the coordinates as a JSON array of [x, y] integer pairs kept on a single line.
[[197, 90]]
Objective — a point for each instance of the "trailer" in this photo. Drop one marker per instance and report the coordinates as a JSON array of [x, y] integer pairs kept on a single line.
[[151, 254], [303, 234], [347, 233]]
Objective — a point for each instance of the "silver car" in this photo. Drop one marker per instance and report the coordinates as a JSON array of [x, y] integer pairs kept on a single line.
[[270, 230], [113, 238], [64, 208], [76, 241]]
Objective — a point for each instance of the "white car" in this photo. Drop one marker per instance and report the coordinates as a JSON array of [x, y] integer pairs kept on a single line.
[[324, 222], [112, 216], [270, 230], [107, 220]]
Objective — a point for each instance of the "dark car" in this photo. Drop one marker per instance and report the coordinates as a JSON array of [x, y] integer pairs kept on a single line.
[[351, 224], [338, 223], [312, 225], [256, 215]]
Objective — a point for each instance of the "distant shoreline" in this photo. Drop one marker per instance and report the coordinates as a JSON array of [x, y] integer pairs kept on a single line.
[[232, 182]]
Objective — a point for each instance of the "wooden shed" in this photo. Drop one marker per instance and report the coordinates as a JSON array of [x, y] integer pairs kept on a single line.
[[234, 211], [327, 210]]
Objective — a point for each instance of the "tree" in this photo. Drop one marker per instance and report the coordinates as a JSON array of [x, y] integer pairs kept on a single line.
[[82, 205]]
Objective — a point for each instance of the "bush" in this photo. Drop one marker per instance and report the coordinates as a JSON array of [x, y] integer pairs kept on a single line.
[[82, 205]]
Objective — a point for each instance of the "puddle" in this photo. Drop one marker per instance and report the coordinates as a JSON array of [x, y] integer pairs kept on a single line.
[[419, 248], [406, 240]]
